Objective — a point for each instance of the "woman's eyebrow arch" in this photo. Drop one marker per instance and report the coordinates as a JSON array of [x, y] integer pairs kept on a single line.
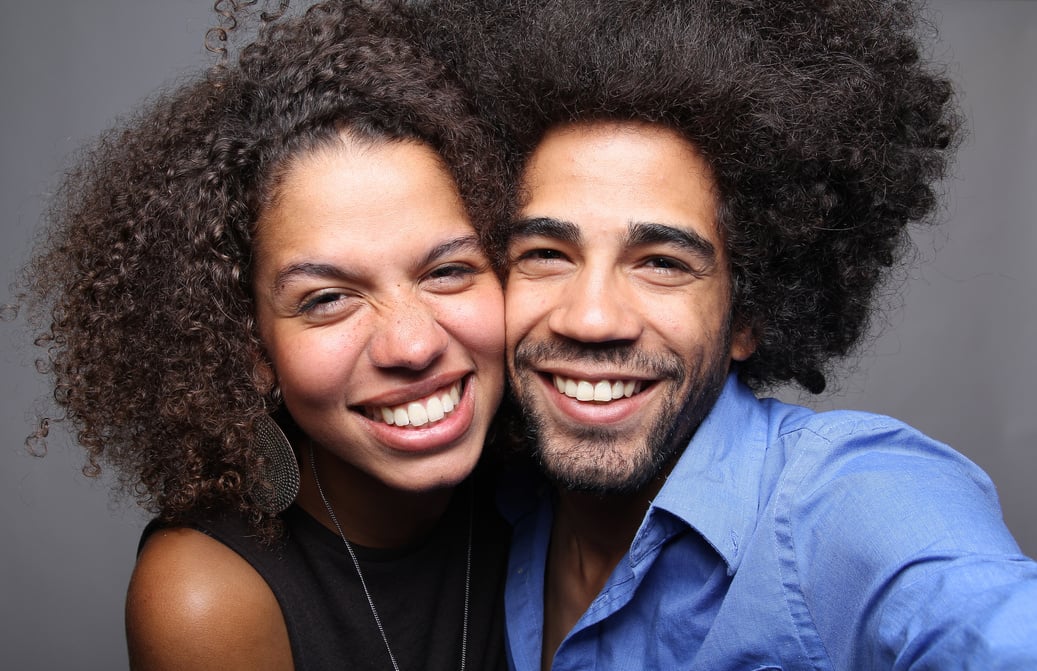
[[460, 243], [310, 269]]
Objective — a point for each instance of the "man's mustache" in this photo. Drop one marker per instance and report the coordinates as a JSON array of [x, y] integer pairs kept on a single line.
[[629, 358]]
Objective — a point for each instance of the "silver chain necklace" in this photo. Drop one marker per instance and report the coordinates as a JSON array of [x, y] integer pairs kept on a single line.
[[363, 583]]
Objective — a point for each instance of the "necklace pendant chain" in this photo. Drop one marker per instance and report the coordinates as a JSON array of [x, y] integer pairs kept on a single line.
[[363, 583]]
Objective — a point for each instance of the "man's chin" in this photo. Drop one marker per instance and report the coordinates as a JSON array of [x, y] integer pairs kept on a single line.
[[605, 474], [600, 487], [605, 459]]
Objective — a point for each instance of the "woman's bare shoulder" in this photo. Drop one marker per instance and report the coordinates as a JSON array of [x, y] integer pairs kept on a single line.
[[193, 603]]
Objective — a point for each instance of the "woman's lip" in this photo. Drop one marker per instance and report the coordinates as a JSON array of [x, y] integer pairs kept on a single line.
[[415, 391], [432, 408], [431, 436]]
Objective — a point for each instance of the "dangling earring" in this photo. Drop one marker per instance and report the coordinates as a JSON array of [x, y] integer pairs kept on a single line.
[[279, 479]]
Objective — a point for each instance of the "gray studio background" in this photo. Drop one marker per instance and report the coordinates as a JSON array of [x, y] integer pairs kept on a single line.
[[956, 357]]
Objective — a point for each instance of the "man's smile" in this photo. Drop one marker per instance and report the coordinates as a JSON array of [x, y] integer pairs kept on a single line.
[[601, 391]]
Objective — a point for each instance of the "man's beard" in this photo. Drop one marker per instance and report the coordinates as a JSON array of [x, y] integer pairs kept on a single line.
[[594, 459]]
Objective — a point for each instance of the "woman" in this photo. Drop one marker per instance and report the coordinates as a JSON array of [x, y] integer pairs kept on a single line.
[[266, 305]]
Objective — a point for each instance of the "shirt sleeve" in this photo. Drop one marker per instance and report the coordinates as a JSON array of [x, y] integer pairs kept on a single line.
[[973, 612], [902, 558]]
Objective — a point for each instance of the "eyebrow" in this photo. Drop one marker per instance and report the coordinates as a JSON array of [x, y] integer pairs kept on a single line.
[[458, 244], [638, 233], [328, 270], [548, 227], [312, 270], [647, 233]]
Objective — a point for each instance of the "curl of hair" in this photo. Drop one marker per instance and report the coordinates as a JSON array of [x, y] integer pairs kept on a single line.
[[231, 14], [825, 128], [140, 289]]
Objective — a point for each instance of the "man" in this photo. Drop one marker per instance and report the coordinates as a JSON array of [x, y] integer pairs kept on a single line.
[[708, 195]]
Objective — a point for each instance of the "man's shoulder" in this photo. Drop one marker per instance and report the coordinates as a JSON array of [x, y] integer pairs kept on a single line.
[[849, 434], [858, 464], [738, 413], [861, 478], [857, 430]]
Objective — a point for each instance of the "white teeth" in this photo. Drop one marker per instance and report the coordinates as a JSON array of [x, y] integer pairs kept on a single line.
[[418, 414], [601, 391], [421, 412], [434, 410]]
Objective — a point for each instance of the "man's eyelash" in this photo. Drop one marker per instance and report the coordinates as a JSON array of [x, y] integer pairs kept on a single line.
[[539, 253]]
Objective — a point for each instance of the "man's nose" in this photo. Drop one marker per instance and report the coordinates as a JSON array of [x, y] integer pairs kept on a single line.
[[594, 307]]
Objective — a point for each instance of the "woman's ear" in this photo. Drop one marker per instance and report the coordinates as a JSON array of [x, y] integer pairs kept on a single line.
[[264, 376]]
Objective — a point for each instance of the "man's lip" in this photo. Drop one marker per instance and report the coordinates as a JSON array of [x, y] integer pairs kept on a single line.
[[615, 412], [592, 376], [605, 390], [640, 382]]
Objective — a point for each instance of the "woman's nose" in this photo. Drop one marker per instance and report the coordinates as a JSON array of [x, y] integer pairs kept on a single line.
[[408, 336]]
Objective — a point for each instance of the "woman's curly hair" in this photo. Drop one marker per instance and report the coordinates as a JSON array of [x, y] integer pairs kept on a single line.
[[140, 289], [825, 128]]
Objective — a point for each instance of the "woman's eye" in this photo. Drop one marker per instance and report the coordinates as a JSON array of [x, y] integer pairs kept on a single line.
[[452, 276], [451, 270], [323, 304]]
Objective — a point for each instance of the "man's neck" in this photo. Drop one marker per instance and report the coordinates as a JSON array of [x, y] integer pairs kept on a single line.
[[591, 533]]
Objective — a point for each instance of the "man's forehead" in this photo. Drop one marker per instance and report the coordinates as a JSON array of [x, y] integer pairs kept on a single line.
[[636, 235], [622, 179]]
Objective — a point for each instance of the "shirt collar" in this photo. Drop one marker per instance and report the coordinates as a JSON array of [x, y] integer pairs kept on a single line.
[[715, 485]]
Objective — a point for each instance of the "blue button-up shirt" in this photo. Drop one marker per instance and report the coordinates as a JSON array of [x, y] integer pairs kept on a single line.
[[789, 539]]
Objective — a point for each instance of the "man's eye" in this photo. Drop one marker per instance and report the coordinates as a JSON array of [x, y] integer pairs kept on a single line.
[[538, 262], [666, 263], [540, 255]]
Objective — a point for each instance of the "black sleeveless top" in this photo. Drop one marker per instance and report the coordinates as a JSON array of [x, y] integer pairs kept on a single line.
[[418, 591]]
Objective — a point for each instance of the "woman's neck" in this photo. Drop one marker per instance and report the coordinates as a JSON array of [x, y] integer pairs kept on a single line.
[[370, 513]]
